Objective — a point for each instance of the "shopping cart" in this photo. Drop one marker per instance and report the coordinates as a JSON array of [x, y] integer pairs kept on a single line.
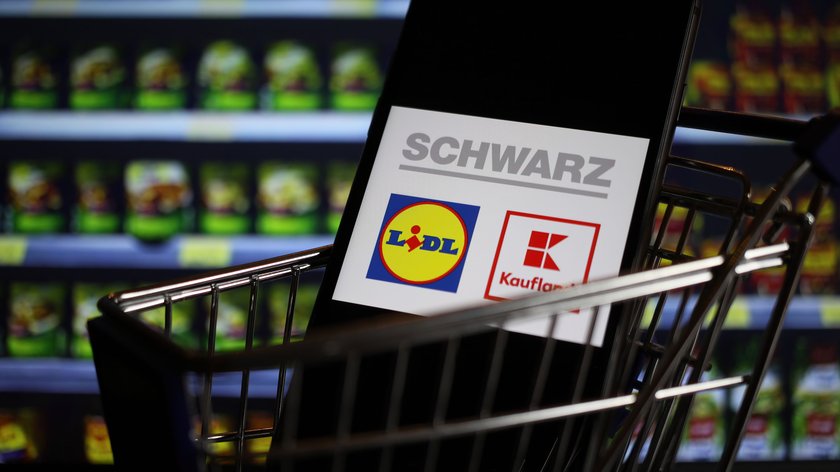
[[160, 397]]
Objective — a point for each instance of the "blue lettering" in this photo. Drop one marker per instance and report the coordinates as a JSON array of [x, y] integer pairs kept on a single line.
[[394, 238]]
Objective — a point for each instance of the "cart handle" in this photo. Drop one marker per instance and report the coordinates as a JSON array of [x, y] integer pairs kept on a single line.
[[746, 124]]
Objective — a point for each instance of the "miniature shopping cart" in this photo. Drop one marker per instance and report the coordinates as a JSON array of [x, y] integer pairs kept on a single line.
[[162, 394]]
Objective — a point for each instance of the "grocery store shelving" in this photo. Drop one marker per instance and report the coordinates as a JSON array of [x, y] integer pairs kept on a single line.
[[59, 375], [205, 8], [78, 376], [124, 251], [185, 126], [326, 126], [752, 312]]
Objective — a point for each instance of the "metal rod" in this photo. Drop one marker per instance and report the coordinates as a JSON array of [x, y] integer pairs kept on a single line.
[[417, 434], [763, 126]]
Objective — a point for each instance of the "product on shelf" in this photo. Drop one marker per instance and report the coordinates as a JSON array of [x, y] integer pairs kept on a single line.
[[803, 89], [356, 79], [819, 269], [704, 434], [85, 297], [709, 85], [258, 448], [226, 77], [97, 185], [219, 424], [36, 311], [183, 317], [232, 319], [278, 299], [339, 179], [158, 196], [799, 34], [97, 442], [756, 88], [764, 435], [816, 402], [161, 82], [34, 82], [225, 198], [98, 78], [287, 198], [832, 80], [293, 79], [767, 281], [752, 34], [18, 435], [37, 202], [831, 34]]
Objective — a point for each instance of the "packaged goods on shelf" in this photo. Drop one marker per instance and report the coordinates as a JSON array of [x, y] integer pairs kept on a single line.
[[831, 35], [19, 433], [704, 434], [161, 80], [799, 35], [33, 78], [278, 297], [820, 268], [36, 313], [815, 420], [355, 77], [756, 88], [293, 78], [225, 198], [232, 319], [803, 89], [287, 198], [752, 33], [709, 85], [226, 77], [85, 297], [158, 198], [339, 179], [97, 205], [97, 442], [98, 78], [764, 435], [258, 448], [37, 200], [183, 318]]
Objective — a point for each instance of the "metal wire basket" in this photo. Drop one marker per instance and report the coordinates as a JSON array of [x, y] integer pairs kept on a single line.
[[159, 397]]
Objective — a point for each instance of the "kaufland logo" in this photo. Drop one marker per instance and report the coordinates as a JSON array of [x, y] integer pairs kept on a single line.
[[423, 242], [539, 253]]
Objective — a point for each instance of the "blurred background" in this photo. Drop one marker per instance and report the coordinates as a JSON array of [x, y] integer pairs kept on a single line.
[[152, 139]]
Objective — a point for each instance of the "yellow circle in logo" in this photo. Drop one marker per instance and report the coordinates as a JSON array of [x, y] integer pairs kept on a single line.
[[423, 242]]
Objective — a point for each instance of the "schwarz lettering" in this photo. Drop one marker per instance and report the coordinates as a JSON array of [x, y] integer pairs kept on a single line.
[[496, 157]]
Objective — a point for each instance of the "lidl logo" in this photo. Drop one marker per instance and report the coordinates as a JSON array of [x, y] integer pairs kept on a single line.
[[423, 242], [540, 253]]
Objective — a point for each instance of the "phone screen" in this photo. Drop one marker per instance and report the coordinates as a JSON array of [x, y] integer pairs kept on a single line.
[[514, 150]]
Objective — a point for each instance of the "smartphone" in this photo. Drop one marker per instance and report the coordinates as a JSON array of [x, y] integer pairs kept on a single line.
[[515, 148]]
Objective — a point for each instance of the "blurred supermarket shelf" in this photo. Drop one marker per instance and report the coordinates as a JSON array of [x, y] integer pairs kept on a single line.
[[58, 375], [78, 376], [205, 8], [324, 126], [124, 251], [184, 126], [753, 312]]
